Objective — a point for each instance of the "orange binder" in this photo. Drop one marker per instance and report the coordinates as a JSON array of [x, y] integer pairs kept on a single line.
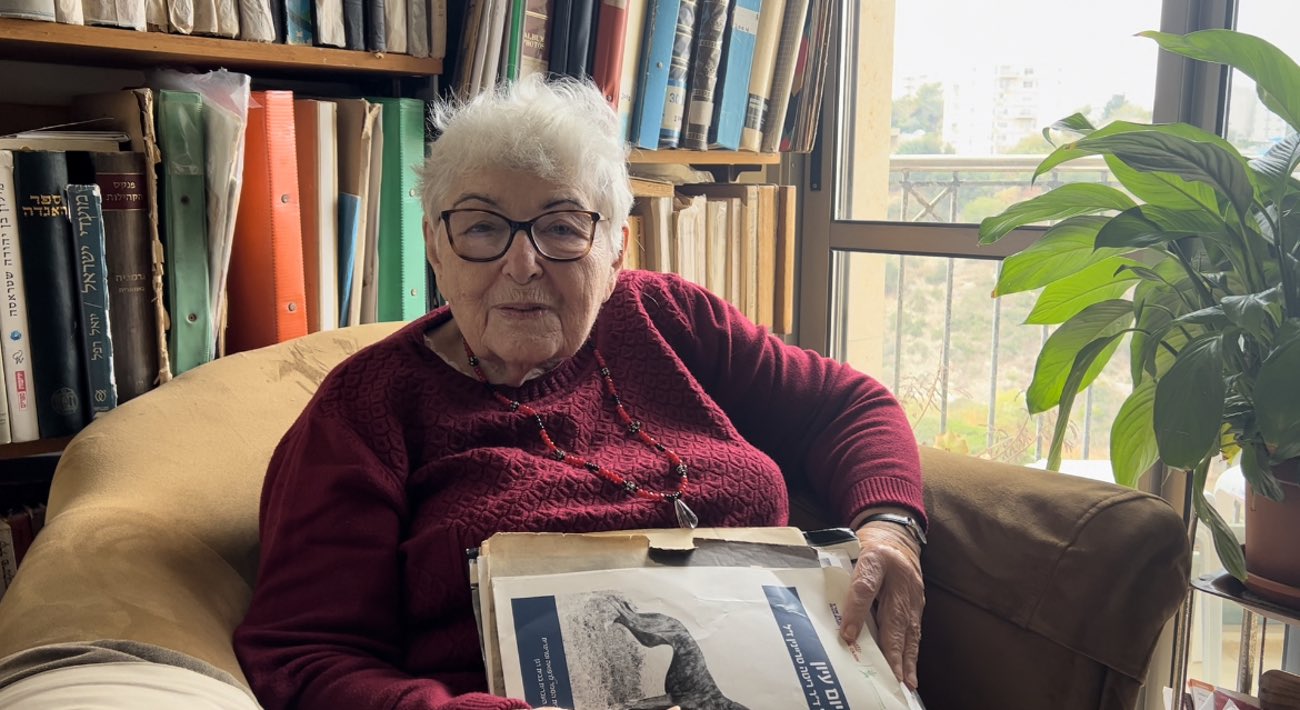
[[267, 291]]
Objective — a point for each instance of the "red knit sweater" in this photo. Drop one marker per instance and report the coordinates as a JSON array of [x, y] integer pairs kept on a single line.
[[400, 463]]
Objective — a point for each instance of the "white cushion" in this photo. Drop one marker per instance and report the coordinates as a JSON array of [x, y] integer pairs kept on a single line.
[[123, 686]]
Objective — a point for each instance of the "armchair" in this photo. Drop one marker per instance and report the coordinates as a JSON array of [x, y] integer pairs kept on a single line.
[[1043, 591]]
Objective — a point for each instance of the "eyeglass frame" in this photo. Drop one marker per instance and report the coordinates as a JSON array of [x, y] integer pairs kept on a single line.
[[515, 227]]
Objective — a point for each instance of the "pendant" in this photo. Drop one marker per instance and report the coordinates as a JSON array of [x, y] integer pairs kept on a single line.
[[686, 518]]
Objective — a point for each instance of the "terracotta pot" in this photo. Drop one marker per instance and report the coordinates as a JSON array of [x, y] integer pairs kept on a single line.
[[1272, 529]]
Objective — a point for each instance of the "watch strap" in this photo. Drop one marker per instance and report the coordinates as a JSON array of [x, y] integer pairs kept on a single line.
[[913, 527]]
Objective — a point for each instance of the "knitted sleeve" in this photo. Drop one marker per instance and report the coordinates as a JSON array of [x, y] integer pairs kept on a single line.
[[839, 429], [323, 630]]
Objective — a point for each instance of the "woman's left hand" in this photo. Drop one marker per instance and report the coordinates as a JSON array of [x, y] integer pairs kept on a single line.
[[887, 582]]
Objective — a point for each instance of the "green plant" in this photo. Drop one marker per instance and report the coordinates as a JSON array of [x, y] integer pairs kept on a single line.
[[1199, 273]]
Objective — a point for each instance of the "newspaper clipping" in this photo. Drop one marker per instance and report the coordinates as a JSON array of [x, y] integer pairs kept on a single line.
[[702, 638]]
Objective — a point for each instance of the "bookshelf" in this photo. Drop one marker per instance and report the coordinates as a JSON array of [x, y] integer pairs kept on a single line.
[[702, 157], [33, 448], [53, 42]]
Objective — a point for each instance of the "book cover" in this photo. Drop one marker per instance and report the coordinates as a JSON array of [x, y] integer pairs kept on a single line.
[[87, 220], [128, 14], [376, 34], [760, 76], [630, 65], [417, 28], [329, 24], [44, 236], [670, 126], [14, 335], [395, 26], [369, 256], [787, 226], [185, 228], [354, 24], [175, 17], [298, 22], [533, 50], [42, 10], [402, 287], [267, 291], [438, 20], [787, 55], [657, 48], [746, 233], [704, 72], [315, 127], [558, 46], [607, 69], [257, 20], [733, 78], [497, 31], [128, 258], [802, 67], [767, 216], [804, 133], [69, 12], [582, 20], [514, 45]]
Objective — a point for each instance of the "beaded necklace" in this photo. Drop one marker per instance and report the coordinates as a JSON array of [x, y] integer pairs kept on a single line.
[[686, 517]]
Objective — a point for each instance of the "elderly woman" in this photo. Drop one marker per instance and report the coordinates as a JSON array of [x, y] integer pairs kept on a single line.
[[555, 392]]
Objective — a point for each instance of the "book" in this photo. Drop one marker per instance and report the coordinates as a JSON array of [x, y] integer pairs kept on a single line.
[[358, 120], [369, 255], [8, 558], [787, 54], [746, 232], [438, 29], [607, 67], [760, 76], [496, 30], [85, 214], [298, 27], [354, 25], [395, 26], [733, 76], [42, 10], [267, 291], [44, 236], [718, 223], [652, 85], [316, 130], [128, 257], [128, 14], [376, 33], [14, 334], [664, 612], [787, 226], [69, 12], [349, 221], [401, 283], [417, 28], [766, 262], [329, 27], [630, 65], [514, 45], [256, 20], [632, 250], [709, 34], [582, 19], [185, 228], [670, 126], [803, 133], [533, 53], [177, 17], [558, 44]]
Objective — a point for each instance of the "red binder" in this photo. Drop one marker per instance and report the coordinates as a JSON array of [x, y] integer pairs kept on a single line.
[[611, 31], [267, 292]]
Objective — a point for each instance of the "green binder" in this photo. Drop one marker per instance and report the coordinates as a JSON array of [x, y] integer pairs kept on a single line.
[[185, 228], [402, 285]]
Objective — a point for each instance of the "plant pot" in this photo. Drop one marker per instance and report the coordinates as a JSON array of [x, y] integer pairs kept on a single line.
[[1272, 529]]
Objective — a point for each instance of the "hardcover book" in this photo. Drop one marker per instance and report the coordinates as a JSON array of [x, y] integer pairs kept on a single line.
[[733, 78], [670, 127], [28, 9], [760, 76], [402, 287], [787, 56], [607, 69], [704, 76], [87, 220], [15, 344], [533, 50], [44, 236]]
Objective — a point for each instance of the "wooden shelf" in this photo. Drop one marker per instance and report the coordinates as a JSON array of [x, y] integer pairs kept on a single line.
[[33, 448], [75, 44], [702, 157]]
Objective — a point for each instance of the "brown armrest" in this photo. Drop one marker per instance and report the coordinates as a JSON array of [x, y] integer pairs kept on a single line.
[[1093, 567]]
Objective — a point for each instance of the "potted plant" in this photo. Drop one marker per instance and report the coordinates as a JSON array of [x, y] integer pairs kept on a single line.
[[1193, 260]]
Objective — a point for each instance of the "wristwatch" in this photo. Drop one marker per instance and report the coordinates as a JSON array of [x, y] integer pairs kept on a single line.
[[913, 527]]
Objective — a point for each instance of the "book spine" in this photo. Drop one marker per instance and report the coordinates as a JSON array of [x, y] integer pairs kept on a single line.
[[395, 26], [401, 246], [514, 46], [533, 51], [354, 24], [8, 556], [760, 77], [417, 28], [787, 56], [704, 78], [631, 65], [799, 84], [43, 236], [607, 70], [670, 127], [15, 346], [661, 29], [438, 29], [69, 12], [86, 218], [558, 47], [581, 23], [128, 259], [376, 33], [297, 17], [42, 10], [733, 80]]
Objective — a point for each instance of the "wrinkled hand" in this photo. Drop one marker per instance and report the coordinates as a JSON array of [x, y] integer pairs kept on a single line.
[[887, 582]]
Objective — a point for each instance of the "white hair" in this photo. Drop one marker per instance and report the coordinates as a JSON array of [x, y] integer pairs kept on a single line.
[[561, 130]]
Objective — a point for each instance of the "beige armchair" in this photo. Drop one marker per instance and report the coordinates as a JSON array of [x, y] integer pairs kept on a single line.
[[1043, 591]]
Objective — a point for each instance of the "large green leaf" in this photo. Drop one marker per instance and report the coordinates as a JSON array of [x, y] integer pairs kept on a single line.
[[1073, 384], [1152, 226], [1076, 198], [1133, 446], [1256, 313], [1062, 299], [1072, 151], [1157, 303], [1075, 123], [1226, 543], [1063, 250], [1189, 403], [1276, 75], [1057, 355], [1164, 189], [1276, 166], [1277, 400], [1154, 150]]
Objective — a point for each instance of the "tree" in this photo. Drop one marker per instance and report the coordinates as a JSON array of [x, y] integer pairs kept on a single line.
[[1119, 108], [928, 144], [919, 111]]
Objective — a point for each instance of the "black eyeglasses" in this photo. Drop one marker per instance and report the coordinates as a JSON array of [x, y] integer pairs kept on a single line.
[[484, 235]]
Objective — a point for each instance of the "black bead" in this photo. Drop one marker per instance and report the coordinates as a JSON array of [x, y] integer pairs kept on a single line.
[[540, 424], [593, 467], [630, 487], [560, 454], [473, 361], [634, 427], [604, 372], [660, 447], [680, 470], [514, 405]]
